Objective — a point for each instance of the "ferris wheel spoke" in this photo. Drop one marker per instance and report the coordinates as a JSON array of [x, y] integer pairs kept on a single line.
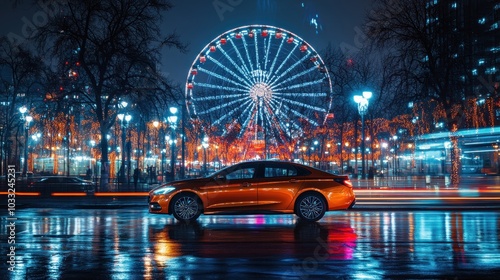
[[302, 94], [219, 97], [283, 63], [294, 77], [257, 60], [234, 75], [301, 114], [219, 107], [249, 112], [274, 62], [242, 61], [293, 126], [266, 55], [248, 57], [221, 88], [243, 77], [278, 127], [221, 77], [241, 70], [279, 115], [301, 85], [291, 68], [233, 111], [304, 105]]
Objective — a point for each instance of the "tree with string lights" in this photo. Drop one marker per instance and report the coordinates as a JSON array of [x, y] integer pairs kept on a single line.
[[115, 45]]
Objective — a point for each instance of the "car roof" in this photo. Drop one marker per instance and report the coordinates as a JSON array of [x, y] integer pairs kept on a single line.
[[291, 163]]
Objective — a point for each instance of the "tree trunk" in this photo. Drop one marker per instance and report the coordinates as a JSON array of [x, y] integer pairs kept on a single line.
[[104, 181], [455, 160]]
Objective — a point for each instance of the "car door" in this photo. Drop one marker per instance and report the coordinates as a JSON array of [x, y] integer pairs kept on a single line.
[[278, 186], [234, 190]]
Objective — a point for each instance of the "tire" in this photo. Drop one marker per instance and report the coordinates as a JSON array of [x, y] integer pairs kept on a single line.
[[186, 207], [310, 207]]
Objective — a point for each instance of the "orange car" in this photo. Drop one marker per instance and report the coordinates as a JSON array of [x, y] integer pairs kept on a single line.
[[256, 187]]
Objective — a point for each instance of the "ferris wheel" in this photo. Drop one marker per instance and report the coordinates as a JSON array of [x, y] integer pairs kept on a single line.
[[261, 81]]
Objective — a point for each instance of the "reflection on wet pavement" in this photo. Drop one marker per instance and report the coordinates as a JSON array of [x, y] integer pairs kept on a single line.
[[125, 244]]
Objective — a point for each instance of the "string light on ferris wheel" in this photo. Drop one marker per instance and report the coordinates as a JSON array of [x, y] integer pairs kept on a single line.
[[259, 75]]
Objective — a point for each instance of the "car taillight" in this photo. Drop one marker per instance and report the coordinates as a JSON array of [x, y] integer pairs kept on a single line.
[[344, 181]]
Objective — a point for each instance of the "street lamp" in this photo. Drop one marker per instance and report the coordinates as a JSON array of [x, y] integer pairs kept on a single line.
[[315, 149], [204, 144], [362, 101], [91, 164], [328, 158], [124, 120], [384, 147], [172, 120], [27, 119]]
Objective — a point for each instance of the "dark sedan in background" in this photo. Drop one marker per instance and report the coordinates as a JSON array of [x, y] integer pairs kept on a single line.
[[48, 185]]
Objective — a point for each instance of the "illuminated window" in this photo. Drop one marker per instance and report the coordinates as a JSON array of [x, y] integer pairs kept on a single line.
[[491, 70]]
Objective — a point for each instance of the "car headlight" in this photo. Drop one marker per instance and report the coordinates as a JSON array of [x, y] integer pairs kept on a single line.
[[163, 190]]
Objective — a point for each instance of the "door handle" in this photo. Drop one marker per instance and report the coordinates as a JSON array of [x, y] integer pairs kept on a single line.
[[292, 181], [246, 184]]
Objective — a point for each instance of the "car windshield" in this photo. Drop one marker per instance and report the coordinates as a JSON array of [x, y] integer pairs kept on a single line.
[[223, 172]]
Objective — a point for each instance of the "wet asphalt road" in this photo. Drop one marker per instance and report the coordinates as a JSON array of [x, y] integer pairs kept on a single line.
[[355, 244]]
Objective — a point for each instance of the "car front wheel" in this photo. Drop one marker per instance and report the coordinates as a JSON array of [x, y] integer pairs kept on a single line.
[[186, 207], [310, 207]]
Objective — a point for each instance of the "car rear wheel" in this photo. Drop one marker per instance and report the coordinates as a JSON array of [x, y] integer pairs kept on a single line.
[[310, 207], [186, 207]]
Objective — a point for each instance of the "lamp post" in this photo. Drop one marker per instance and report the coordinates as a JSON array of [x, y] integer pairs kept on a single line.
[[328, 157], [395, 164], [35, 137], [362, 101], [128, 118], [315, 149], [124, 119], [384, 147], [91, 165], [183, 142], [172, 119], [27, 119], [348, 150], [204, 144]]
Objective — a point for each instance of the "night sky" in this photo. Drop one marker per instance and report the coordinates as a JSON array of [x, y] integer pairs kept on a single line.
[[319, 22]]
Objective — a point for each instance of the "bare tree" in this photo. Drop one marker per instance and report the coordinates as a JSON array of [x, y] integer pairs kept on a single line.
[[19, 70], [109, 49], [429, 46]]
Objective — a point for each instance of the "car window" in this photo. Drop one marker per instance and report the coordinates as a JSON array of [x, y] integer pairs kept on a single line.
[[50, 180], [242, 173], [279, 171]]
